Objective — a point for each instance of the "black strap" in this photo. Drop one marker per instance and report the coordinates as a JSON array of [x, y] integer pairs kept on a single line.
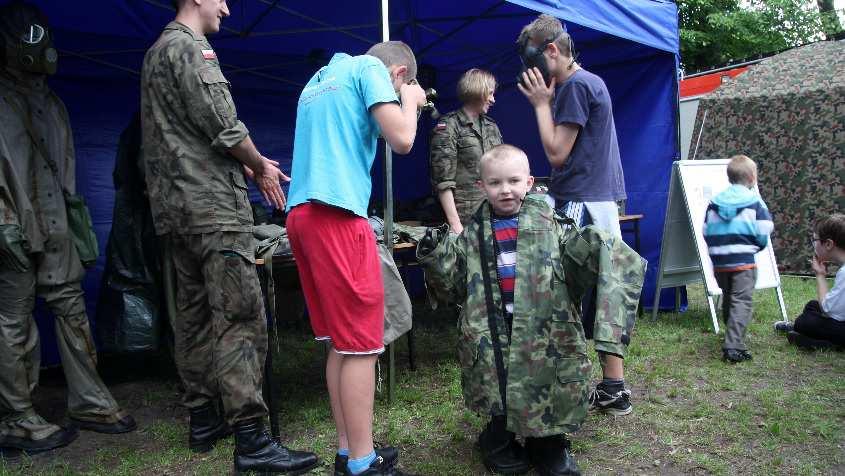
[[36, 144], [492, 315]]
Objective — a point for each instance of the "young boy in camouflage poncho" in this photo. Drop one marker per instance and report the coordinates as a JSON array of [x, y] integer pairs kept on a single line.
[[519, 278]]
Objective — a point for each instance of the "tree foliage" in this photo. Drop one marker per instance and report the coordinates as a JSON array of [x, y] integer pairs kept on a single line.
[[715, 32]]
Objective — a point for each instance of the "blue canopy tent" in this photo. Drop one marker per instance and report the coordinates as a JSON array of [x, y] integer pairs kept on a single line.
[[269, 49]]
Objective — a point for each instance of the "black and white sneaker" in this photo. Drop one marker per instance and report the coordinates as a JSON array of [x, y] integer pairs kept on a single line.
[[616, 404], [784, 326], [388, 453], [733, 356], [379, 467]]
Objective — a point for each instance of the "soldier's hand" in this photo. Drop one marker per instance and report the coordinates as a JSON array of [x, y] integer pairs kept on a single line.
[[13, 248], [269, 180], [533, 86], [412, 94]]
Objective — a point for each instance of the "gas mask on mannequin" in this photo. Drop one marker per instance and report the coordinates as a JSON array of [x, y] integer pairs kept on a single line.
[[26, 41]]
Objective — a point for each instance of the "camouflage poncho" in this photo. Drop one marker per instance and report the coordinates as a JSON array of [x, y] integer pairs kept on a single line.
[[546, 361]]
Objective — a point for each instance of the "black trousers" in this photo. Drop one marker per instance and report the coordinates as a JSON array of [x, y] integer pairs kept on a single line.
[[813, 322]]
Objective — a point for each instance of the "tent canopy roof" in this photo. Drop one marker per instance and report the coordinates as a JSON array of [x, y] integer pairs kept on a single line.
[[284, 42], [815, 67]]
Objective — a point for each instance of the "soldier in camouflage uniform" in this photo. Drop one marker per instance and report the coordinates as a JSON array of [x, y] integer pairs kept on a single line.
[[541, 391], [457, 143], [196, 152], [37, 255]]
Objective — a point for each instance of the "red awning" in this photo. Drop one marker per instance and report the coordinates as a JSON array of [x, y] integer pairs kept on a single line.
[[705, 83]]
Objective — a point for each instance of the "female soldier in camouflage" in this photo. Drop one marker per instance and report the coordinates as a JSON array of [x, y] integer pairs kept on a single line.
[[457, 143]]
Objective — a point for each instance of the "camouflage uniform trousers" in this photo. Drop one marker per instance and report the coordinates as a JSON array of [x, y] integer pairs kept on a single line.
[[220, 328], [88, 397]]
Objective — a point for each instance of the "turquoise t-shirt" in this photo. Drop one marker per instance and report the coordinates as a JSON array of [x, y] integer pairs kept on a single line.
[[336, 136]]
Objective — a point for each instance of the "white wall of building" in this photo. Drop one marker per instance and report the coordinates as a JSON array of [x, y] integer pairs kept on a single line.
[[689, 109]]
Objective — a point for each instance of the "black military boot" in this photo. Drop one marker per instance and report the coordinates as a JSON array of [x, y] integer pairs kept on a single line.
[[256, 452], [124, 424], [550, 456], [13, 446], [500, 451], [207, 427]]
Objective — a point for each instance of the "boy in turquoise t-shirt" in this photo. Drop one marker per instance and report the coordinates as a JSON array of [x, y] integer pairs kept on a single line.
[[342, 111]]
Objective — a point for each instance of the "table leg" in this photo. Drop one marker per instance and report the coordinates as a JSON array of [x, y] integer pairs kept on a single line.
[[269, 398], [411, 361], [391, 374], [267, 387], [637, 235]]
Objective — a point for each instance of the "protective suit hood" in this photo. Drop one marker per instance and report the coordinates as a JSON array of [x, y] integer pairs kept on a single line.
[[25, 39]]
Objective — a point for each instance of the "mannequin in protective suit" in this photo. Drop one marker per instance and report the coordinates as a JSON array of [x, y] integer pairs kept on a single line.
[[37, 255]]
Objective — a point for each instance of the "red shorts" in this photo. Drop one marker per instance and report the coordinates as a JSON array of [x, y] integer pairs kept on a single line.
[[340, 273]]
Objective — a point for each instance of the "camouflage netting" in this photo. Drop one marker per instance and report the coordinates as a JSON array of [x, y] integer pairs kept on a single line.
[[788, 114]]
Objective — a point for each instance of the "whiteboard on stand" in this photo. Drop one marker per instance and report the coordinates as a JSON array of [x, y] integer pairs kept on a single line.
[[683, 252]]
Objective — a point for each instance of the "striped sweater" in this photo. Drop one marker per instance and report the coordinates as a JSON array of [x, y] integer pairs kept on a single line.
[[737, 226], [505, 233]]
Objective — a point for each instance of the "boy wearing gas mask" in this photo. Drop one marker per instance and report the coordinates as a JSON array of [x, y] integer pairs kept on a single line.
[[37, 254], [575, 119]]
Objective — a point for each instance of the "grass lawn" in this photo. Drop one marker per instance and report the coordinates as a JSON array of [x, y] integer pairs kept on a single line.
[[782, 413]]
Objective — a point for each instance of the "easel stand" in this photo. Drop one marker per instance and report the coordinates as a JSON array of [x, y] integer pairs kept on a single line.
[[683, 252]]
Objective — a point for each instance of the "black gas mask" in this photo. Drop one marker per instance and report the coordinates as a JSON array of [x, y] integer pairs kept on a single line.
[[532, 57], [27, 45]]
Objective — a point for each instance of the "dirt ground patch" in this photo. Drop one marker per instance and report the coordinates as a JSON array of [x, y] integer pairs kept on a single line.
[[782, 413]]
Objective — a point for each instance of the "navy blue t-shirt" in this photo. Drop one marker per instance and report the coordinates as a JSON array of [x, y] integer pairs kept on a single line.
[[593, 171]]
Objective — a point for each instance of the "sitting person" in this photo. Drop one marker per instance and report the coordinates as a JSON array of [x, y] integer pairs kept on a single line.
[[822, 323], [520, 278]]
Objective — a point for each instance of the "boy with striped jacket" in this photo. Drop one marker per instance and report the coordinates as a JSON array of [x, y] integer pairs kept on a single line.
[[736, 227]]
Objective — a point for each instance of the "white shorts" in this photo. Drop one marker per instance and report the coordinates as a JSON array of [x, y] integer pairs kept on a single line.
[[604, 215]]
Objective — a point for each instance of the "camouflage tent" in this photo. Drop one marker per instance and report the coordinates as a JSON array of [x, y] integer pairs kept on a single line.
[[788, 114]]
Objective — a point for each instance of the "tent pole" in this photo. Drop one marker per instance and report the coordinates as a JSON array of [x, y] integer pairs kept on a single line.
[[677, 99], [388, 210]]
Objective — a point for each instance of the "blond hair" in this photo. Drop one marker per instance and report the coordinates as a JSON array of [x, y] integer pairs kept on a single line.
[[475, 85], [396, 53], [742, 170], [546, 28], [501, 153]]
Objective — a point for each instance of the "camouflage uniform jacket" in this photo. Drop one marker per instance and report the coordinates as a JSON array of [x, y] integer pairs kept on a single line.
[[188, 122], [546, 361], [457, 144], [30, 194]]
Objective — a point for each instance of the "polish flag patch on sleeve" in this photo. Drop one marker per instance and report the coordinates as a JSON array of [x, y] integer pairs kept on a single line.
[[209, 54], [441, 126]]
